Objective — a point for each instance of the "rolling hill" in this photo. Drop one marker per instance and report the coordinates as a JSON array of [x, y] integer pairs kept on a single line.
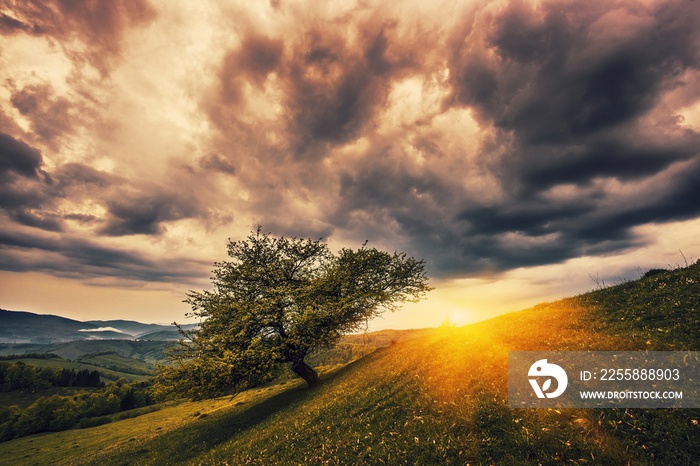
[[140, 331], [436, 396], [27, 328], [146, 350]]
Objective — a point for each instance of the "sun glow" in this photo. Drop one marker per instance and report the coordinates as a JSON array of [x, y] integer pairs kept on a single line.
[[459, 317]]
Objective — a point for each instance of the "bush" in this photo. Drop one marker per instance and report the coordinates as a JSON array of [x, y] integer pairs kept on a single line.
[[56, 412]]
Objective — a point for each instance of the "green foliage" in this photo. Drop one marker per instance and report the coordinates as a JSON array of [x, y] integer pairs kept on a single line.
[[11, 357], [117, 362], [107, 375], [21, 376], [277, 301], [56, 412]]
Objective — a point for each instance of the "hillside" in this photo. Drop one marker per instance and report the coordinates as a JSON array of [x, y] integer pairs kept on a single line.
[[129, 369], [142, 331], [27, 327], [149, 351], [19, 328], [438, 397]]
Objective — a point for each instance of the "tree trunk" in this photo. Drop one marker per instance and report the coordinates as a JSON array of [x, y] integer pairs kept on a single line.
[[306, 372]]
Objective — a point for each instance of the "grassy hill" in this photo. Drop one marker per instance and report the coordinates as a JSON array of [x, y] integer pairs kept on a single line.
[[25, 331], [148, 351], [112, 367], [118, 363], [436, 397], [26, 327]]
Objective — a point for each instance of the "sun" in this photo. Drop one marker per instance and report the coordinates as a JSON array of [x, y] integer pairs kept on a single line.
[[459, 317]]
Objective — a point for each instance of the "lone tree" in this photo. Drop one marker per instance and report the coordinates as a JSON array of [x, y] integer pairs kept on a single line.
[[277, 300]]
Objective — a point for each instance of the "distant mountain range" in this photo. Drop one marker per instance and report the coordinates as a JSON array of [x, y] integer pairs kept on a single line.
[[17, 327]]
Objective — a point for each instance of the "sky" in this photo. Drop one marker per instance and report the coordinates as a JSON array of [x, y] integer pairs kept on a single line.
[[522, 148]]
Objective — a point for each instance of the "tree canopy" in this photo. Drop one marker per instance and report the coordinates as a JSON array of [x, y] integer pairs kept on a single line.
[[278, 299]]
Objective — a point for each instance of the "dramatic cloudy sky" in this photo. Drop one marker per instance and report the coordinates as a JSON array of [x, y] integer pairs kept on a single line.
[[516, 146]]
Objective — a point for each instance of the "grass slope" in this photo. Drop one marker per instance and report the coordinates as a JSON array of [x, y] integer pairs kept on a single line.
[[437, 398], [107, 374], [119, 363], [148, 351]]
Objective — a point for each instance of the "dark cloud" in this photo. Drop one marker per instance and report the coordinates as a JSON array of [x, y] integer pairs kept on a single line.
[[335, 88], [252, 62], [535, 219], [217, 163], [539, 167], [145, 212], [559, 72], [31, 200], [77, 175], [376, 55], [81, 218], [331, 87], [31, 197], [24, 186], [671, 202], [84, 259], [10, 25], [509, 135], [100, 25], [387, 196], [568, 92], [569, 88], [50, 116], [36, 218], [258, 57], [336, 111], [18, 157]]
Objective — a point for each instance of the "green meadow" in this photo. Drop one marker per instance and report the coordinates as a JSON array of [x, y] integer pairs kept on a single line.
[[436, 396], [112, 367]]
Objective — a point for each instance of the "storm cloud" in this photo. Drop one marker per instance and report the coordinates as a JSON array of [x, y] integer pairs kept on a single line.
[[18, 157], [85, 260], [483, 136]]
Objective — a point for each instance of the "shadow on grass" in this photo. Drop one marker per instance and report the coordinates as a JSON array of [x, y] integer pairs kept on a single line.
[[193, 439]]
